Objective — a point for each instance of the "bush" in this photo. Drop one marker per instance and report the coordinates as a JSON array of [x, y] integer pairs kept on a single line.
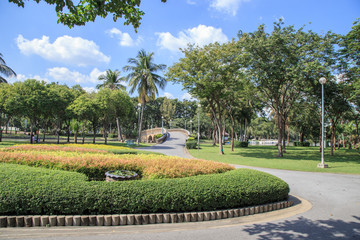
[[190, 139], [28, 190], [241, 144], [157, 136], [191, 144], [302, 144]]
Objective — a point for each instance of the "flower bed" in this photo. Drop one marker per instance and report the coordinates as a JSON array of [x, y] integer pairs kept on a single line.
[[95, 164]]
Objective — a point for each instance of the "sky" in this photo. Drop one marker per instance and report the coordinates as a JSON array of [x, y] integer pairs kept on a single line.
[[34, 45]]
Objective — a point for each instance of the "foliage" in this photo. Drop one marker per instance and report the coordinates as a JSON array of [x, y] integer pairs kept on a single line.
[[76, 13], [241, 144], [37, 191], [302, 144], [111, 80], [157, 136], [94, 165], [5, 70], [191, 144]]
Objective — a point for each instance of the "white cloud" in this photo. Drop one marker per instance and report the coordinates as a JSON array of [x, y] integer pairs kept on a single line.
[[22, 77], [190, 2], [89, 89], [168, 95], [200, 35], [64, 75], [187, 96], [125, 39], [66, 49], [227, 6]]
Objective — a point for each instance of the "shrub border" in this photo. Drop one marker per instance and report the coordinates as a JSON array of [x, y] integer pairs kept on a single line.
[[137, 219]]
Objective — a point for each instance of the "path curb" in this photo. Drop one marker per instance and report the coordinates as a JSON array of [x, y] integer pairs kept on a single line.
[[136, 219]]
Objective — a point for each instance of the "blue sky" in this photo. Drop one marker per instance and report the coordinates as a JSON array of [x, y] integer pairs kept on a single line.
[[35, 46]]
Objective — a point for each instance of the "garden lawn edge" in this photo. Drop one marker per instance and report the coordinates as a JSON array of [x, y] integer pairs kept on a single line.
[[137, 219]]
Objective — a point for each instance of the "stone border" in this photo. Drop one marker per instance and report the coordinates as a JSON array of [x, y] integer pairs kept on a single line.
[[136, 219]]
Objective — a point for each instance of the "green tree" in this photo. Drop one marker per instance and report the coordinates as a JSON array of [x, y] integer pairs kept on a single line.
[[284, 63], [167, 110], [71, 13], [210, 74], [5, 70], [31, 100], [86, 109], [112, 80], [143, 78]]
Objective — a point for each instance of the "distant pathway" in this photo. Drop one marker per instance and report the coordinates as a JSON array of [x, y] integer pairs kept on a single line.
[[173, 146]]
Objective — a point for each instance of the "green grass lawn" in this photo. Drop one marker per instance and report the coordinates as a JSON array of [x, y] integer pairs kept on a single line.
[[296, 158]]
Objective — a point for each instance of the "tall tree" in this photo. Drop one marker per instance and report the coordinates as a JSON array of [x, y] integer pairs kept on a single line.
[[210, 74], [143, 78], [5, 70], [112, 80], [72, 13], [283, 64]]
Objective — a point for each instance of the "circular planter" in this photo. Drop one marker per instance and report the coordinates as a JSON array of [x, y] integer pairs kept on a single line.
[[121, 175]]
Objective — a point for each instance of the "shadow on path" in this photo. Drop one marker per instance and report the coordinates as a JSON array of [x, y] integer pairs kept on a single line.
[[303, 228]]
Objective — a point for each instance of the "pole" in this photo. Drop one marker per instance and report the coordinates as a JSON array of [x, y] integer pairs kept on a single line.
[[198, 145], [322, 164], [162, 125]]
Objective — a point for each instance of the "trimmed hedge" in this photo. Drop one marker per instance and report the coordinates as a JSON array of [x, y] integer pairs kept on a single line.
[[157, 136], [28, 190], [191, 144], [241, 144], [302, 144]]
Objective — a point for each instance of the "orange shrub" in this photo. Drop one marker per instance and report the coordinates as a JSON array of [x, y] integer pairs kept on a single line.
[[94, 165]]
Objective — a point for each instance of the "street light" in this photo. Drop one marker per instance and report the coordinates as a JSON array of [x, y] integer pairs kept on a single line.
[[162, 124], [322, 164], [170, 123], [139, 134], [190, 126], [198, 145]]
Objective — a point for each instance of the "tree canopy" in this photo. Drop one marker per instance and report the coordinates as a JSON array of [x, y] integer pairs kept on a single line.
[[76, 13]]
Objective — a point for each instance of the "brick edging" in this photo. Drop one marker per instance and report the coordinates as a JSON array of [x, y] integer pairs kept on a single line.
[[136, 219]]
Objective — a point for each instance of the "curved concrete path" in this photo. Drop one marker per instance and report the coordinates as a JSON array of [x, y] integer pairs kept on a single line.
[[331, 211], [173, 146]]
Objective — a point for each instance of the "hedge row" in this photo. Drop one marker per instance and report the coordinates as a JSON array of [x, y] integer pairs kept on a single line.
[[302, 144], [241, 144], [28, 190]]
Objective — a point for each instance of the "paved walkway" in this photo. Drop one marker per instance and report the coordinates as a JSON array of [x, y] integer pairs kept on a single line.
[[328, 207]]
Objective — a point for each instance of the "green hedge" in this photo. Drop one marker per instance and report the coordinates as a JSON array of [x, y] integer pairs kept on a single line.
[[157, 136], [241, 144], [302, 144], [28, 190], [191, 144]]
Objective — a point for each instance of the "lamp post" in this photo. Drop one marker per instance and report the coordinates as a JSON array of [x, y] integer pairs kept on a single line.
[[162, 124], [190, 126], [170, 123], [198, 145], [139, 134], [322, 164]]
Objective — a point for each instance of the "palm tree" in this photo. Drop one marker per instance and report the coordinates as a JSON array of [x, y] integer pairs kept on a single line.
[[111, 80], [142, 77], [5, 70]]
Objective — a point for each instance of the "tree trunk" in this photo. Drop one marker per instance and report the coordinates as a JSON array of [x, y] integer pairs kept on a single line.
[[141, 119], [83, 133], [105, 133], [1, 130], [118, 130], [94, 136], [31, 134], [77, 131], [280, 150], [245, 138], [44, 134], [68, 132]]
